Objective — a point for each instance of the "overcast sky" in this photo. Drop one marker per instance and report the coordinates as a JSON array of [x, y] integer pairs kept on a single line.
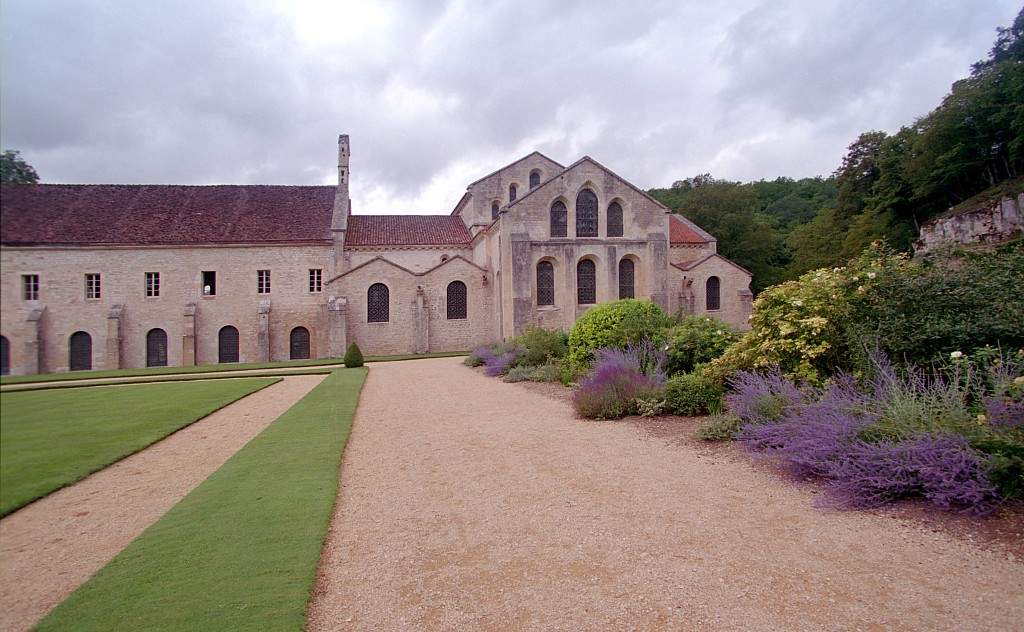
[[436, 95]]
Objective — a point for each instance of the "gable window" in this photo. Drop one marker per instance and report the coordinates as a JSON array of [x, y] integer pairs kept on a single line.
[[615, 220], [263, 281], [316, 280], [511, 193], [586, 214], [545, 283], [377, 299], [559, 220], [495, 207], [586, 282], [152, 284], [534, 179], [714, 294], [626, 269], [456, 300], [30, 287], [92, 286], [209, 283]]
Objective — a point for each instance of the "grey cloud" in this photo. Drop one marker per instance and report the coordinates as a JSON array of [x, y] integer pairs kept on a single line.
[[204, 92]]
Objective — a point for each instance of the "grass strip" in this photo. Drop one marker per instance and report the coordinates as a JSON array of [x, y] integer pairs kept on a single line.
[[240, 552], [163, 379], [213, 368], [163, 370], [51, 440]]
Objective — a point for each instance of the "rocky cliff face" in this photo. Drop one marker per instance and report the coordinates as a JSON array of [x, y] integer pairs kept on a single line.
[[991, 222]]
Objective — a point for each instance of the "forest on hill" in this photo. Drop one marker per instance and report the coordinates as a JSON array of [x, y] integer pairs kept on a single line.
[[886, 186]]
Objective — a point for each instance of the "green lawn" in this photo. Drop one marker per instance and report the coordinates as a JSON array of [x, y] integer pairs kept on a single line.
[[163, 370], [210, 368], [163, 379], [240, 551], [51, 439]]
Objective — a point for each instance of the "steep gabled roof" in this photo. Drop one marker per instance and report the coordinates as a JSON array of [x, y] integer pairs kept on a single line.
[[406, 230], [686, 266], [683, 231], [514, 163], [101, 214]]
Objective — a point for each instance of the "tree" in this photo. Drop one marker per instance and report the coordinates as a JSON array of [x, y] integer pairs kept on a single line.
[[15, 170]]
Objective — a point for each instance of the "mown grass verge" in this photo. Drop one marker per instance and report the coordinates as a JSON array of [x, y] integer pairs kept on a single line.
[[163, 370], [163, 379], [240, 551], [51, 440]]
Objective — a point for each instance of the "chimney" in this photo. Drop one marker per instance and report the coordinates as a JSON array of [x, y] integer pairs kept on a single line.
[[342, 203]]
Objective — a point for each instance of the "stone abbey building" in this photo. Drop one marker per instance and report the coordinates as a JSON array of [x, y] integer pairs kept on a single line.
[[118, 276]]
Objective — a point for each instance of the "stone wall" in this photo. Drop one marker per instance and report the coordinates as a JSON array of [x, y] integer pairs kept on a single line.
[[991, 223], [65, 310]]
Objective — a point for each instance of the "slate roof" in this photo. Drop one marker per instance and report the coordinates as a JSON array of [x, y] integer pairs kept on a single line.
[[680, 232], [406, 230], [90, 214]]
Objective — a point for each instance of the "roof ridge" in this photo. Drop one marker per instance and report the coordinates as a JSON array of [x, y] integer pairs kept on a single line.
[[514, 162]]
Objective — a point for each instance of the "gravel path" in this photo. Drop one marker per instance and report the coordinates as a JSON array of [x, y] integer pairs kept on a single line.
[[50, 547], [470, 504]]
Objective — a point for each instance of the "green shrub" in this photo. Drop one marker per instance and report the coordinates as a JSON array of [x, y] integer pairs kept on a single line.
[[550, 371], [693, 394], [541, 345], [353, 357], [697, 340], [616, 325], [919, 311], [518, 374], [721, 427]]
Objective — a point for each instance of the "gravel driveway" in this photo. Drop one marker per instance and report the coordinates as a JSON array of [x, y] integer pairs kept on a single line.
[[468, 504]]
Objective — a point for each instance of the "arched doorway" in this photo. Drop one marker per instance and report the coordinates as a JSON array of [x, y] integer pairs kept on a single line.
[[156, 347], [5, 356], [227, 344], [298, 343], [80, 351]]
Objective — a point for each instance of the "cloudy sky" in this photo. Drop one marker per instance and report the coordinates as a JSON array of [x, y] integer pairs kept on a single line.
[[435, 95]]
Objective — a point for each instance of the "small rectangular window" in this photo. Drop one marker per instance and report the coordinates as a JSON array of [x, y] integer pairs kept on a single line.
[[30, 286], [263, 281], [316, 276], [92, 286], [152, 284], [209, 283]]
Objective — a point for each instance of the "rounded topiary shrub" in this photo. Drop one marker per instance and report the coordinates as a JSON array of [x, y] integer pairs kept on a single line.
[[615, 325], [353, 357]]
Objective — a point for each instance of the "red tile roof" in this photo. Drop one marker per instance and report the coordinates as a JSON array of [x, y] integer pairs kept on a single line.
[[406, 230], [680, 232], [90, 214]]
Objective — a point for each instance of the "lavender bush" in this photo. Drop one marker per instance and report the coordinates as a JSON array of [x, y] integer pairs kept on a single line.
[[619, 379], [761, 397], [500, 364]]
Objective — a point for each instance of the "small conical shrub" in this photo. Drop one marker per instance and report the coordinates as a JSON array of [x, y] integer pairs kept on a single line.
[[353, 357]]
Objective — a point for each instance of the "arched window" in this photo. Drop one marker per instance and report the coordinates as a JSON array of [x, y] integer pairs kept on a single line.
[[534, 179], [227, 344], [586, 282], [495, 207], [626, 289], [5, 356], [714, 294], [559, 220], [298, 344], [545, 283], [615, 220], [156, 347], [511, 193], [456, 300], [80, 351], [377, 301], [586, 214]]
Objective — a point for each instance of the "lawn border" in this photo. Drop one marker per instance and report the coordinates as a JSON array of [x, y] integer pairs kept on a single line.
[[243, 546], [271, 381]]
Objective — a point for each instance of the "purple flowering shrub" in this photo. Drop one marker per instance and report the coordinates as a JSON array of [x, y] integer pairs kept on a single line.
[[619, 379], [898, 434], [500, 363], [479, 356]]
